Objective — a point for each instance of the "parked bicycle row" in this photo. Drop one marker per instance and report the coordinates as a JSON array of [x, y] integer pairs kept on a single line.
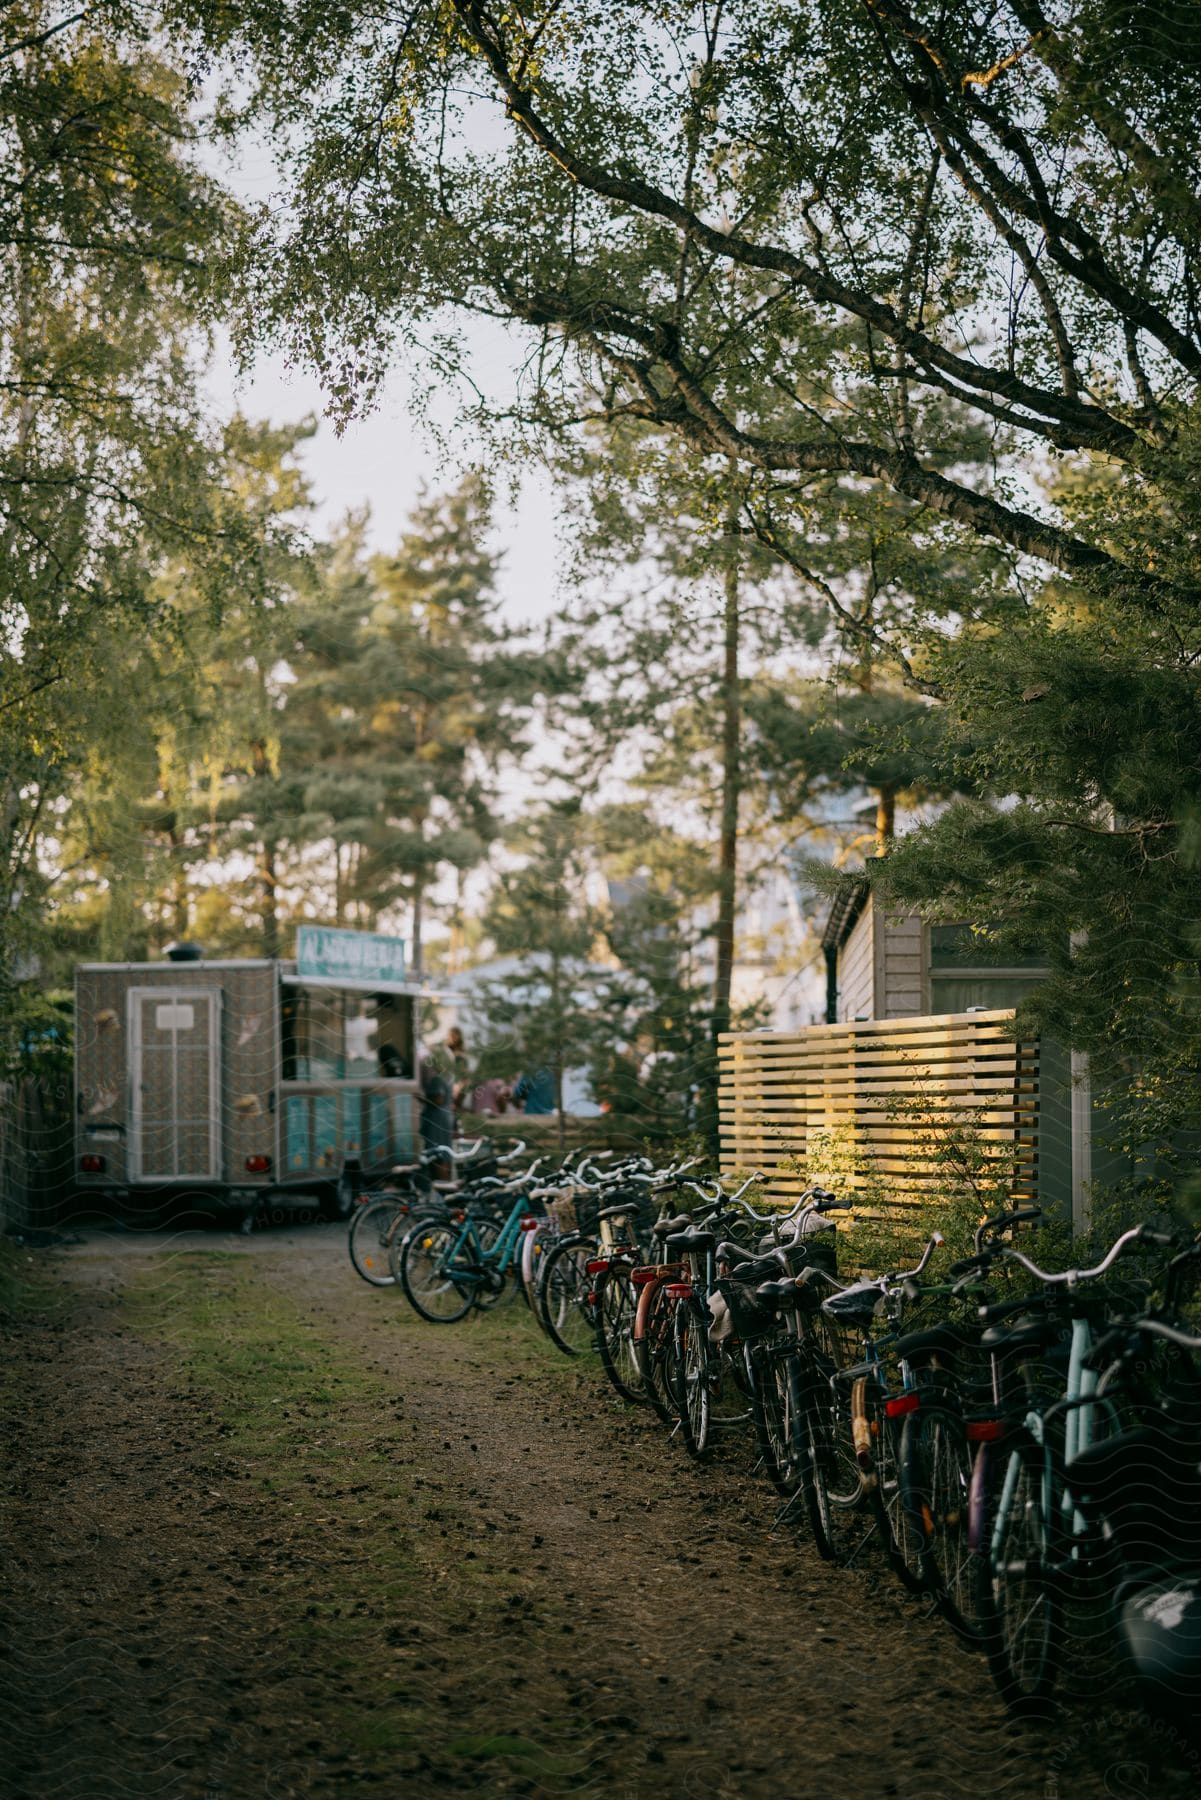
[[1014, 1440]]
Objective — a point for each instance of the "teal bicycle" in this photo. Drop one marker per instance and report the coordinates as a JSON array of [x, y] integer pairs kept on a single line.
[[1033, 1540], [449, 1265]]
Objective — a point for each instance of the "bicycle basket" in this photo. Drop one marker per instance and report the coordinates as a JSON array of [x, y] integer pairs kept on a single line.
[[575, 1209], [749, 1317]]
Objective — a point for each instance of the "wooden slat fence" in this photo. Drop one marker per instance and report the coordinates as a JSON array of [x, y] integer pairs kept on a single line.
[[884, 1099]]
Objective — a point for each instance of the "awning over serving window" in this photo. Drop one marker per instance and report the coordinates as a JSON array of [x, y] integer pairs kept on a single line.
[[290, 978]]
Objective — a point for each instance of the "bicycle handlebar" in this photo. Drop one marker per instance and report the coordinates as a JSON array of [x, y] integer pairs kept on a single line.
[[1160, 1328], [934, 1241], [1003, 1222], [1069, 1277]]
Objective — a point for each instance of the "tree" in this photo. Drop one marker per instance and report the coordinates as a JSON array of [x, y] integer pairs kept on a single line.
[[858, 187], [918, 224], [114, 482], [406, 698], [169, 723], [655, 1051], [542, 1016], [816, 738]]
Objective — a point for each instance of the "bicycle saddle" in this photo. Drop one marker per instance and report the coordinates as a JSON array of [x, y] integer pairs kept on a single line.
[[858, 1304], [1032, 1334], [779, 1293], [671, 1227], [618, 1212], [700, 1242], [757, 1268], [936, 1340]]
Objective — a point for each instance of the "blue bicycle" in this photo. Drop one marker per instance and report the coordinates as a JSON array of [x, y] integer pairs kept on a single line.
[[452, 1264]]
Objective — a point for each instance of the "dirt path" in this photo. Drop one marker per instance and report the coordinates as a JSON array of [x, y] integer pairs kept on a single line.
[[270, 1535]]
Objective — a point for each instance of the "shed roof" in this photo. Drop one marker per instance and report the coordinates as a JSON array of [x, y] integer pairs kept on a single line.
[[849, 902]]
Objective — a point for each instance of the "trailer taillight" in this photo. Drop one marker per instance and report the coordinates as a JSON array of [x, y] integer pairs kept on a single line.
[[258, 1165], [93, 1165]]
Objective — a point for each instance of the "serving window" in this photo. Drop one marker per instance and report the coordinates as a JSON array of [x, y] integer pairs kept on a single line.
[[333, 1034]]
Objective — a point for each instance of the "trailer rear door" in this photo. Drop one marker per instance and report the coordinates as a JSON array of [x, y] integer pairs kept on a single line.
[[175, 1078]]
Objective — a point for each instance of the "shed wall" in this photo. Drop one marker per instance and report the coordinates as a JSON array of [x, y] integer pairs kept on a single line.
[[857, 970]]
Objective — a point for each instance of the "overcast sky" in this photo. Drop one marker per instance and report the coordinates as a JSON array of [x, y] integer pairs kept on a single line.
[[380, 461]]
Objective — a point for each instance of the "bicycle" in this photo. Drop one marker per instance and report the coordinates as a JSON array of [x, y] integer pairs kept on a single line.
[[1032, 1535], [448, 1267]]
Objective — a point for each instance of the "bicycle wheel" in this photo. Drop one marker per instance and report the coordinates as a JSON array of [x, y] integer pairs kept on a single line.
[[1018, 1599], [693, 1376], [370, 1236], [534, 1249], [936, 1485], [897, 1530], [615, 1306], [653, 1328], [439, 1272], [835, 1500], [567, 1312], [773, 1402]]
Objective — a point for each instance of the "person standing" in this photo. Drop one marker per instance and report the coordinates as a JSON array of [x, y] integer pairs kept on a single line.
[[435, 1080]]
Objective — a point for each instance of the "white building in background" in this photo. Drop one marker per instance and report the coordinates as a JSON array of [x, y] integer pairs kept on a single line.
[[779, 963], [457, 996]]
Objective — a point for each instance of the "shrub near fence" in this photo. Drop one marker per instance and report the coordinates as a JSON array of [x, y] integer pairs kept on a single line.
[[904, 1111], [36, 1152]]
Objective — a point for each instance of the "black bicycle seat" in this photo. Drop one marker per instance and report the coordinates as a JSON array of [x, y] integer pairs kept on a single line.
[[669, 1227], [1032, 1334], [784, 1292], [936, 1340], [856, 1305], [618, 1212], [698, 1243]]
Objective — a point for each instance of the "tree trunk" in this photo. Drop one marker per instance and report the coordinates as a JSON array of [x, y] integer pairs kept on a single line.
[[267, 864], [886, 818], [179, 889], [270, 910], [556, 992], [731, 794], [418, 909]]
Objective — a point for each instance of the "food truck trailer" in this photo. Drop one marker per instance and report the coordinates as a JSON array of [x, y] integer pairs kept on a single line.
[[236, 1084]]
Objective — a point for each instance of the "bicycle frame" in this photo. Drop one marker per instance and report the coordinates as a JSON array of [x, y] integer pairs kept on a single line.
[[1080, 1406], [498, 1255]]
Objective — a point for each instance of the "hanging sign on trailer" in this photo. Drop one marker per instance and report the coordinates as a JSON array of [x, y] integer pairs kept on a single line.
[[324, 953]]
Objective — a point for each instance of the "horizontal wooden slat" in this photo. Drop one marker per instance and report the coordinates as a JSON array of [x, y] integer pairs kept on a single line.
[[887, 1091]]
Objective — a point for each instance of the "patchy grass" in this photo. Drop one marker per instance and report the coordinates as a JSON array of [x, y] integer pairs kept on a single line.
[[380, 1569]]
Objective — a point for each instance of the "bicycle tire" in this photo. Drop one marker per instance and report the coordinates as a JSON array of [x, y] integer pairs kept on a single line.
[[835, 1501], [566, 1311], [693, 1374], [1018, 1601], [653, 1326], [936, 1486], [615, 1307], [431, 1290], [773, 1400], [369, 1239], [535, 1246], [902, 1544]]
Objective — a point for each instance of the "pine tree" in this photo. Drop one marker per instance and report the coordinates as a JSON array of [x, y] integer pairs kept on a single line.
[[543, 1016]]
